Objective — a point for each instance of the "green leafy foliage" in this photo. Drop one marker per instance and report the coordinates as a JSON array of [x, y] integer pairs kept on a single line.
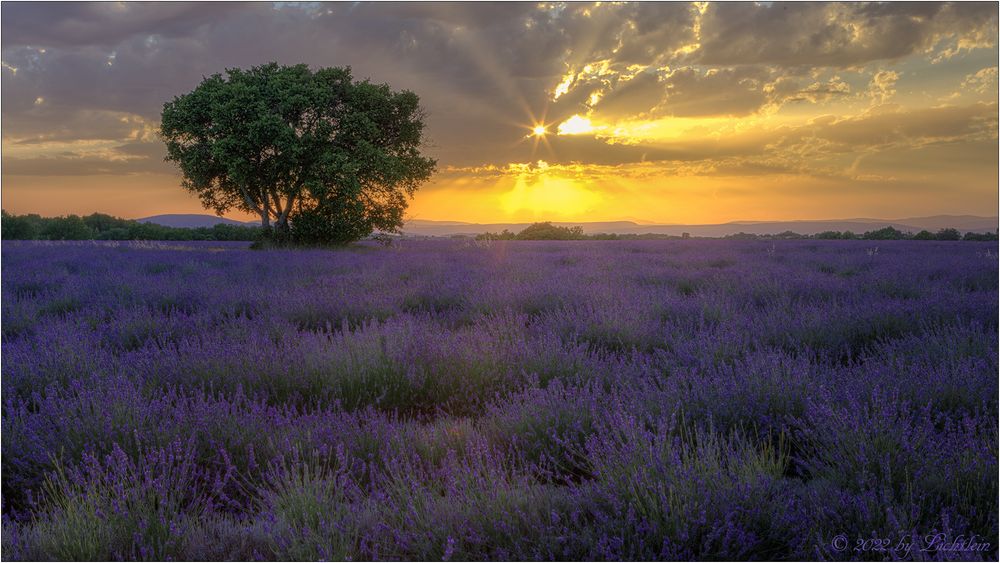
[[949, 234], [538, 231], [327, 159], [548, 231]]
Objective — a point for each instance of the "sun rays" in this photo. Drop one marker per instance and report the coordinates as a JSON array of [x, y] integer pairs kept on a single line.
[[541, 192]]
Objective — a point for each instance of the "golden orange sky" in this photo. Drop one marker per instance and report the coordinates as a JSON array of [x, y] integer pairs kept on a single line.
[[660, 113]]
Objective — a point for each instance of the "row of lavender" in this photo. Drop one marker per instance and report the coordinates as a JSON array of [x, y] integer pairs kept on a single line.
[[507, 400]]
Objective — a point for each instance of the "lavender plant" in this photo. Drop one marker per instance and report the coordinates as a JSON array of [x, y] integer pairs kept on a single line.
[[598, 400]]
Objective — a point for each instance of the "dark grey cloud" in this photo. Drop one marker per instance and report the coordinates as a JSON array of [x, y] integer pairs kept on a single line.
[[734, 92], [484, 71], [637, 33], [79, 24], [633, 97], [698, 92], [655, 29], [836, 34], [786, 89], [960, 122]]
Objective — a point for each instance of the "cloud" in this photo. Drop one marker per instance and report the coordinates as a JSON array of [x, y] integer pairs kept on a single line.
[[914, 126], [655, 30], [882, 86], [694, 92], [981, 81], [632, 98], [74, 24], [691, 92], [820, 145], [118, 163], [484, 71], [786, 89], [46, 124], [735, 92], [839, 35]]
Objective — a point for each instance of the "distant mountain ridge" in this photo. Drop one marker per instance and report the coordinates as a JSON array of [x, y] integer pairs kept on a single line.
[[423, 227], [963, 223]]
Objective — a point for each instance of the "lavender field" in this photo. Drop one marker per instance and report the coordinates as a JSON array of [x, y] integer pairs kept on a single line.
[[601, 400]]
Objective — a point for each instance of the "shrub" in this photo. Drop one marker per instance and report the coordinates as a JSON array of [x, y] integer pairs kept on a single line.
[[548, 231]]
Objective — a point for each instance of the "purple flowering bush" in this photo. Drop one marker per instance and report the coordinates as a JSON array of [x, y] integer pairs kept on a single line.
[[437, 400]]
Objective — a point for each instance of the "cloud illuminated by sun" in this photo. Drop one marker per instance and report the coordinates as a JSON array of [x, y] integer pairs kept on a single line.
[[577, 125]]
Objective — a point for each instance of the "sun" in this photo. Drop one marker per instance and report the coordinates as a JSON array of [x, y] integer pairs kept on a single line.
[[538, 133]]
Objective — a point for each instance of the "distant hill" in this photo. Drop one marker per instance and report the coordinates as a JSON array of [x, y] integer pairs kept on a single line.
[[960, 222], [421, 227], [193, 220], [963, 223]]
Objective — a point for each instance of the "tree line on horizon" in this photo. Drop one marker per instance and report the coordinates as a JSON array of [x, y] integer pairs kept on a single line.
[[548, 231], [100, 226], [885, 233]]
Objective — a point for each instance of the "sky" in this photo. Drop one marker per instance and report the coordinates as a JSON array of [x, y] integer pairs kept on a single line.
[[650, 112]]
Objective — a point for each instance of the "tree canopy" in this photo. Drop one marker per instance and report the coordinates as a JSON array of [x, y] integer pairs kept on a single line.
[[321, 157], [537, 231]]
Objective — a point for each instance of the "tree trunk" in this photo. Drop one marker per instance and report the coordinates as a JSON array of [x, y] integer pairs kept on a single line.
[[265, 211], [264, 219], [282, 223]]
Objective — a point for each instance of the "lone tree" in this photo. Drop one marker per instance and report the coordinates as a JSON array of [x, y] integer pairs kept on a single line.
[[319, 157]]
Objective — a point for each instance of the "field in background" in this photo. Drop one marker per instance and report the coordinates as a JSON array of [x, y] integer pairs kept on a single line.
[[499, 400]]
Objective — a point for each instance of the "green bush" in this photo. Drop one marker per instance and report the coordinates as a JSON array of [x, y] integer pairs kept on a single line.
[[949, 234], [548, 231], [886, 233]]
